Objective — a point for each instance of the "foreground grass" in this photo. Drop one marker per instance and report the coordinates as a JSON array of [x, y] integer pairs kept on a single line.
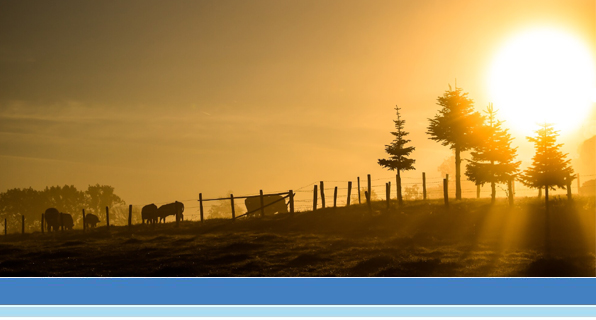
[[470, 238]]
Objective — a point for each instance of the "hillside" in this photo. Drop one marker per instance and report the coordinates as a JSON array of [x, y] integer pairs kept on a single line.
[[470, 238]]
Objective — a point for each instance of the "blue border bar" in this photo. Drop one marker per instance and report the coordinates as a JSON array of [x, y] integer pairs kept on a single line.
[[298, 291]]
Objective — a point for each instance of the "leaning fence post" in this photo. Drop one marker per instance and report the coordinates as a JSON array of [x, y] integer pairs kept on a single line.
[[262, 203], [335, 197], [84, 221], [108, 218], [446, 191], [369, 188], [424, 185], [314, 199], [233, 210], [359, 200], [349, 192], [322, 195], [291, 203], [130, 216], [201, 205], [23, 224], [42, 218]]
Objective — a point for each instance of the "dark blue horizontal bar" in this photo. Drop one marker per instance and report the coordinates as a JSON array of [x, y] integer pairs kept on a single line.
[[298, 291]]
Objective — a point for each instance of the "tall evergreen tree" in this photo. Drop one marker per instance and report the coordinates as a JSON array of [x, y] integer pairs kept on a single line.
[[550, 167], [455, 126], [398, 153], [493, 159]]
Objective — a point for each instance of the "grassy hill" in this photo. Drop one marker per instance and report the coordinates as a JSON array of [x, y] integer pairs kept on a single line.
[[470, 238]]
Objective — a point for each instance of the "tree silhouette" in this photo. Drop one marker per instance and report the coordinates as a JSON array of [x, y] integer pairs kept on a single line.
[[493, 158], [455, 126], [398, 153], [101, 196]]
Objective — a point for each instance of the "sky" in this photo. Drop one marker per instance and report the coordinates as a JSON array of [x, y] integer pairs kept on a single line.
[[168, 99]]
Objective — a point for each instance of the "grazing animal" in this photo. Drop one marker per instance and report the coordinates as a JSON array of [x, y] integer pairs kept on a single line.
[[149, 213], [254, 203], [170, 210], [52, 219], [91, 220], [67, 221]]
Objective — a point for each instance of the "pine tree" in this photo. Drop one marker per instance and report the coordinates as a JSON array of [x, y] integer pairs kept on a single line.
[[550, 167], [455, 126], [398, 153], [493, 158]]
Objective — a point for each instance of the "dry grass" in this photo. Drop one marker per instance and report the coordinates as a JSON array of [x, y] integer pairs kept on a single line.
[[471, 238]]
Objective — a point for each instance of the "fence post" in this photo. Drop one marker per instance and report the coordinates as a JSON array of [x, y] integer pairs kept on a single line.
[[578, 186], [130, 216], [387, 194], [510, 191], [349, 192], [424, 185], [335, 197], [477, 191], [201, 205], [322, 195], [84, 221], [108, 218], [291, 203], [314, 199], [23, 224], [369, 188], [446, 191], [368, 202], [42, 218], [262, 203], [233, 210], [359, 200]]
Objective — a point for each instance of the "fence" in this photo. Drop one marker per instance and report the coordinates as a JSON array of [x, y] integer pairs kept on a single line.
[[307, 197]]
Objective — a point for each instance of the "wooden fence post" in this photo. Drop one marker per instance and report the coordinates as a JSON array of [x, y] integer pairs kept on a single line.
[[359, 200], [424, 185], [42, 218], [262, 203], [23, 224], [314, 199], [369, 188], [201, 205], [368, 201], [84, 221], [322, 195], [335, 198], [291, 203], [446, 191], [349, 192], [108, 218], [387, 194], [233, 210], [578, 186], [510, 191], [477, 191], [130, 216]]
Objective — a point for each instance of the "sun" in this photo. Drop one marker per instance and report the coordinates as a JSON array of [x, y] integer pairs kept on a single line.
[[543, 75]]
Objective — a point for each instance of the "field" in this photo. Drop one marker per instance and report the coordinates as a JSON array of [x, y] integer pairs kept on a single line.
[[471, 238]]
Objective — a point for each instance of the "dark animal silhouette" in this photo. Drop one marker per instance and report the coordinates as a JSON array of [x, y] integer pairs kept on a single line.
[[149, 213], [91, 220], [254, 203], [170, 210], [52, 219], [67, 221]]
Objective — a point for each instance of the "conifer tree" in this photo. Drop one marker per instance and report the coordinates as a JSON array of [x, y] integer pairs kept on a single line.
[[550, 167], [455, 126], [493, 159], [398, 153]]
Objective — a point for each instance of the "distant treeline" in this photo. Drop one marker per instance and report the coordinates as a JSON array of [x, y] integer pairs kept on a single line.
[[31, 203]]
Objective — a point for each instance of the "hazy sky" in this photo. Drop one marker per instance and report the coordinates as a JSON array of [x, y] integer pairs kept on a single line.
[[166, 99]]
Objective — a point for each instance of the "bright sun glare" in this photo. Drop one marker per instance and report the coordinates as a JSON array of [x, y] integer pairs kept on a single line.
[[543, 75]]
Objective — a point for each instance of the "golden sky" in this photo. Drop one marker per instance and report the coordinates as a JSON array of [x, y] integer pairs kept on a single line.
[[166, 99]]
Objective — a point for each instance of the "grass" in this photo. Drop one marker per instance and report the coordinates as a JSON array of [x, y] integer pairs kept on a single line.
[[470, 238]]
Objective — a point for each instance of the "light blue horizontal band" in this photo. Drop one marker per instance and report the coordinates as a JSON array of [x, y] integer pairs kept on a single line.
[[294, 311]]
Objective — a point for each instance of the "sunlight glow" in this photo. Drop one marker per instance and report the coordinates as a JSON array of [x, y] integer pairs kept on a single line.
[[543, 75]]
